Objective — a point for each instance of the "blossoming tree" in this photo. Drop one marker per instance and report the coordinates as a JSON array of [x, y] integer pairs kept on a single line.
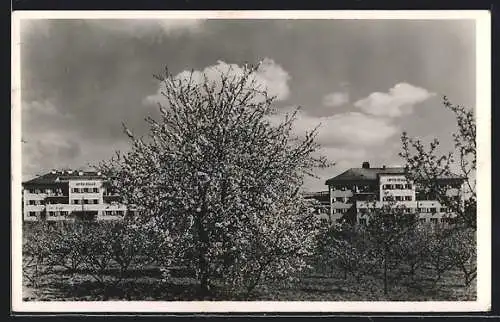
[[220, 183]]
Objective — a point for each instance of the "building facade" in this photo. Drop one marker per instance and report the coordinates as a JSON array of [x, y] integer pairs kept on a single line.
[[71, 195], [353, 192]]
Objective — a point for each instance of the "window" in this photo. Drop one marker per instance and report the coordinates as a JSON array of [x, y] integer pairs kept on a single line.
[[443, 220], [95, 189], [362, 221], [51, 214], [434, 220], [408, 186], [95, 201], [108, 213], [76, 190], [119, 212], [32, 202], [85, 189], [399, 186], [64, 213], [85, 201], [32, 213], [433, 210], [388, 198], [408, 198], [399, 198], [75, 202], [422, 220], [31, 190], [339, 199]]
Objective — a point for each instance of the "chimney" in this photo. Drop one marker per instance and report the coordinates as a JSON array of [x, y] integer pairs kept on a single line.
[[383, 167], [366, 165]]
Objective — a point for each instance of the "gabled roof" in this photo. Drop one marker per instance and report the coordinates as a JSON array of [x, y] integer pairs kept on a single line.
[[64, 176], [372, 174]]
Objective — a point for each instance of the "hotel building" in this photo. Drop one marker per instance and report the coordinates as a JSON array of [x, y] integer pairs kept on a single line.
[[71, 195], [356, 190]]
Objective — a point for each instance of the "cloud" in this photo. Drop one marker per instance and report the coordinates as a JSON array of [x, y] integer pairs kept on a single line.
[[47, 150], [351, 128], [141, 27], [270, 77], [398, 101], [35, 109], [336, 99], [343, 153]]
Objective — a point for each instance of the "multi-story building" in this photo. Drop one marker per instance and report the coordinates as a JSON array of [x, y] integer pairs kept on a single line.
[[356, 190], [71, 195]]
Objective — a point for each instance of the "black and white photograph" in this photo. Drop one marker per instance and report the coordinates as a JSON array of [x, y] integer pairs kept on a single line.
[[251, 161]]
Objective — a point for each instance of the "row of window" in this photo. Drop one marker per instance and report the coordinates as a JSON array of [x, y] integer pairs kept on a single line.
[[397, 186], [65, 213], [50, 213], [420, 210], [363, 221], [435, 220], [47, 191], [85, 201], [403, 210], [84, 190], [36, 202], [339, 211], [434, 210], [114, 212], [397, 198]]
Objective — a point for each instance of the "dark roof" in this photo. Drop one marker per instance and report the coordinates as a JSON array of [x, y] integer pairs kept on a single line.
[[64, 176], [371, 174]]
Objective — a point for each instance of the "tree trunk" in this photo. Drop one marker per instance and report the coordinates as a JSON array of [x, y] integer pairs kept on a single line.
[[203, 247], [385, 271]]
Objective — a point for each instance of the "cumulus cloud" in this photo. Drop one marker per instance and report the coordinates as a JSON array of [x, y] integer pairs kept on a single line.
[[336, 99], [398, 101], [351, 128], [270, 77]]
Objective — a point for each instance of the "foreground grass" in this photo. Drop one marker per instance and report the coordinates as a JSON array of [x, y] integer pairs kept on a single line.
[[146, 285]]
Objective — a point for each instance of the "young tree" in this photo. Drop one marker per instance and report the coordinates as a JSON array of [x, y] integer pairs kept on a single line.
[[346, 248], [388, 226], [426, 166], [462, 252], [414, 248], [220, 182]]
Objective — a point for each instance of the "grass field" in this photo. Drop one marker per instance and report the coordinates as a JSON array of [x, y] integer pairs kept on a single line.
[[146, 285]]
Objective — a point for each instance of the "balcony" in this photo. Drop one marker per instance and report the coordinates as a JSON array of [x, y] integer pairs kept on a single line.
[[57, 199]]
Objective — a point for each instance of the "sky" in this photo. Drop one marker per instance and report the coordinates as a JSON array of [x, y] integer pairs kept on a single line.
[[363, 81]]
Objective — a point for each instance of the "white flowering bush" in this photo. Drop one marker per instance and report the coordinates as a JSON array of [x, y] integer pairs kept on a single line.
[[221, 183]]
